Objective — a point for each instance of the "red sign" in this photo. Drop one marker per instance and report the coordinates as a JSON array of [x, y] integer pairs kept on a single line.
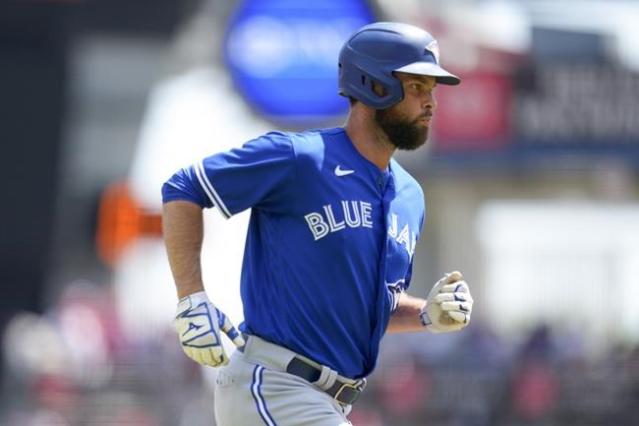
[[474, 116]]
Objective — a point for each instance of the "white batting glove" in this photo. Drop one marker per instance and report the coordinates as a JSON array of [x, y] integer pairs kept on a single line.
[[448, 305], [198, 323]]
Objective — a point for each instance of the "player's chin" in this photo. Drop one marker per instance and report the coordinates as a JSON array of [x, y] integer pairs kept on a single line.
[[408, 137], [421, 138], [424, 135], [413, 144], [422, 124]]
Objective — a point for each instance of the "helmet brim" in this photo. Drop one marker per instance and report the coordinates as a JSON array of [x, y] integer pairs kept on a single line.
[[432, 70]]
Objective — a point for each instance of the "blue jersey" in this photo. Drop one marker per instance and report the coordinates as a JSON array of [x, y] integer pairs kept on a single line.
[[330, 240]]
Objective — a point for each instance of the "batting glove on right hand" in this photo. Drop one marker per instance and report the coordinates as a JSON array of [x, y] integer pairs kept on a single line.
[[198, 323], [448, 305]]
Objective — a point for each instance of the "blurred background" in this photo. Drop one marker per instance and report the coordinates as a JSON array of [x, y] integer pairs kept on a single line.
[[530, 178]]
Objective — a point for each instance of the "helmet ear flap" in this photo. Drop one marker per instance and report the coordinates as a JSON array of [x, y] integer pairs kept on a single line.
[[378, 89]]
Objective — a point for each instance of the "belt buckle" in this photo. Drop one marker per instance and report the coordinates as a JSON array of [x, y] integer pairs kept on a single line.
[[355, 388]]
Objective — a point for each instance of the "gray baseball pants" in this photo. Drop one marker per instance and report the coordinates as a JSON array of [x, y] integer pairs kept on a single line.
[[255, 389]]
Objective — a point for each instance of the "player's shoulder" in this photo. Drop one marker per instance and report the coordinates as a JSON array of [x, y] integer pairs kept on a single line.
[[403, 177], [310, 145], [307, 139], [314, 138], [404, 181], [276, 138]]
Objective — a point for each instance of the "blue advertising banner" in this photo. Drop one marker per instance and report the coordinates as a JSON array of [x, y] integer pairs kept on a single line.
[[282, 55]]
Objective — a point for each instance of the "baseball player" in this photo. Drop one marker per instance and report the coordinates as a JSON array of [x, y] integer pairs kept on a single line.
[[330, 244]]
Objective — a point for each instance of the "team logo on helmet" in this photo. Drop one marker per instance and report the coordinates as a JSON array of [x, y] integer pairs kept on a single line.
[[433, 48]]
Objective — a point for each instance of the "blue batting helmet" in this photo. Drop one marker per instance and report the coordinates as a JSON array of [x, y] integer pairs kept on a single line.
[[377, 50]]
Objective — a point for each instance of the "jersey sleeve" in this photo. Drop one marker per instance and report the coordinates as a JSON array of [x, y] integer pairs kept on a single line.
[[259, 174], [181, 187]]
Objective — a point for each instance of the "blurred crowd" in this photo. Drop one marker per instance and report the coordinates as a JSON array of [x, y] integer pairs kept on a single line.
[[75, 365], [478, 380]]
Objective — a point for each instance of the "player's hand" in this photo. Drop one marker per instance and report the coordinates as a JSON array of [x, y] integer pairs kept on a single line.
[[448, 305], [198, 323]]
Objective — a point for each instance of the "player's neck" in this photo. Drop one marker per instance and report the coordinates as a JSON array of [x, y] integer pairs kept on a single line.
[[369, 140]]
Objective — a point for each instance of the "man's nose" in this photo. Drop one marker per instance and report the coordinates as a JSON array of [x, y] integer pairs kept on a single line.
[[429, 102]]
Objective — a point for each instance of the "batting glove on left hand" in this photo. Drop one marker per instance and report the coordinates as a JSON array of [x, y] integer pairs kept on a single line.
[[198, 323], [448, 305]]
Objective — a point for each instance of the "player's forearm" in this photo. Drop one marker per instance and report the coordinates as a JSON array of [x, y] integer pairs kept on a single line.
[[406, 316], [182, 228]]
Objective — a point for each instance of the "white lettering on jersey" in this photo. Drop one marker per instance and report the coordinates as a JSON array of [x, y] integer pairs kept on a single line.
[[392, 230], [316, 223], [354, 214], [335, 226], [354, 220], [405, 236], [367, 209]]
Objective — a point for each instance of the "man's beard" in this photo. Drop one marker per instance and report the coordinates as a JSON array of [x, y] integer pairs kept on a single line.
[[403, 133]]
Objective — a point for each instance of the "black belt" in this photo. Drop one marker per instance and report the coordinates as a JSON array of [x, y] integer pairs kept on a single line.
[[344, 393]]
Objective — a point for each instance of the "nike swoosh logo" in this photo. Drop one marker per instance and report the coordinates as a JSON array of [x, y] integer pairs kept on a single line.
[[342, 172]]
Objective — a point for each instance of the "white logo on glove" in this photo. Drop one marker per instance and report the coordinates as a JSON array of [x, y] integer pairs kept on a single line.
[[198, 323]]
